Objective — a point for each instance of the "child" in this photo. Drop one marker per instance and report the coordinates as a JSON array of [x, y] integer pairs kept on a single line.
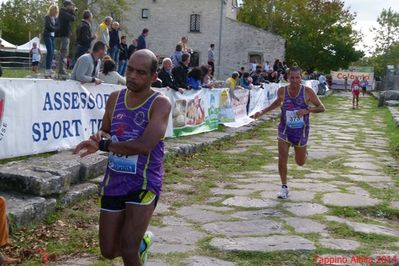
[[355, 92], [35, 54]]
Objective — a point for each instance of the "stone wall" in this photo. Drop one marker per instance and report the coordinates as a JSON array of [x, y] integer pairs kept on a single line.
[[241, 40], [169, 20]]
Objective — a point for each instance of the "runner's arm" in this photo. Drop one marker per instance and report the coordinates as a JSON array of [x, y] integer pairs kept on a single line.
[[92, 145], [318, 106], [274, 105], [154, 132]]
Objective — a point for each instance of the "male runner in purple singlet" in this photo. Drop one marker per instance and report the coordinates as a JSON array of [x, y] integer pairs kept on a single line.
[[132, 131], [293, 130]]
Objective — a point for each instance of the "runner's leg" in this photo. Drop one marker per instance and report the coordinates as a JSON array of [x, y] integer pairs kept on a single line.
[[300, 155], [137, 218], [110, 233], [283, 149]]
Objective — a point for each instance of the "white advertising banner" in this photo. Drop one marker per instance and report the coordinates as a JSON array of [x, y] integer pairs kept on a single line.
[[39, 116]]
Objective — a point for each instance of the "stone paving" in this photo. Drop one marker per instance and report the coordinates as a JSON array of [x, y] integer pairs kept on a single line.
[[346, 174], [256, 221]]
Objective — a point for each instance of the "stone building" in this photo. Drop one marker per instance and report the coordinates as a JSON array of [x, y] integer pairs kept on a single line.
[[203, 22]]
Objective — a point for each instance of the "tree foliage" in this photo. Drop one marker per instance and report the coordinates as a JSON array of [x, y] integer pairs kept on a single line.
[[386, 43], [18, 18], [319, 33], [386, 34]]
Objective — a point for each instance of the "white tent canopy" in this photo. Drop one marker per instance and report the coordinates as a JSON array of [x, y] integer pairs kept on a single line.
[[27, 46], [6, 45]]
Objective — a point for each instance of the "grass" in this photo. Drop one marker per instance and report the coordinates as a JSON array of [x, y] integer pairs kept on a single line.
[[16, 73]]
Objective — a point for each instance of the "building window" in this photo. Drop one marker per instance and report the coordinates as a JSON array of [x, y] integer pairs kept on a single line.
[[195, 23], [145, 13]]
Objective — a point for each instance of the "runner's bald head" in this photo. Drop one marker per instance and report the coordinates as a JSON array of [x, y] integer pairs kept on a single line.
[[147, 55]]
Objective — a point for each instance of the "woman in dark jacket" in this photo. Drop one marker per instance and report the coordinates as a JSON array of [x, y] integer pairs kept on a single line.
[[50, 27]]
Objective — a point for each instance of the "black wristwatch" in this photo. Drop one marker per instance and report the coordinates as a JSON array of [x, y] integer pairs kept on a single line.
[[103, 145]]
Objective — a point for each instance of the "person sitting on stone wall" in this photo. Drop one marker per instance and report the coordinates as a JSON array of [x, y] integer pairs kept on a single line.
[[4, 239]]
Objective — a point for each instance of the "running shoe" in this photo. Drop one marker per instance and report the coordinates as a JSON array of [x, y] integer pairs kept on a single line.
[[283, 194], [148, 238]]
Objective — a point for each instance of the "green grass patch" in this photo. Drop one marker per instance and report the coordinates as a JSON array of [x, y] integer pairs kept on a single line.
[[16, 73]]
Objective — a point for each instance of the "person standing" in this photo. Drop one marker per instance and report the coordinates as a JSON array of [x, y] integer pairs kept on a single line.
[[123, 56], [132, 131], [87, 66], [132, 48], [65, 19], [141, 42], [211, 58], [50, 27], [35, 54], [296, 102], [114, 42], [84, 36], [103, 32]]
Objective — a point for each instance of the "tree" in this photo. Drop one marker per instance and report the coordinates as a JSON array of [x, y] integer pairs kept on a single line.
[[386, 34], [319, 33], [19, 17]]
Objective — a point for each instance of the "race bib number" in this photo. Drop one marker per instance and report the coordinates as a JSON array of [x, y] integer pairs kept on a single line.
[[356, 88], [293, 121], [122, 163]]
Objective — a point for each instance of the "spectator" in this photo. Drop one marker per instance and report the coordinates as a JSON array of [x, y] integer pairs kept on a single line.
[[176, 57], [266, 66], [207, 78], [241, 72], [114, 42], [211, 58], [364, 84], [276, 65], [141, 43], [246, 81], [35, 54], [103, 32], [123, 56], [109, 75], [132, 48], [184, 45], [84, 36], [157, 83], [4, 239], [87, 67], [232, 84], [257, 76], [165, 74], [194, 79], [180, 72], [65, 19], [50, 27]]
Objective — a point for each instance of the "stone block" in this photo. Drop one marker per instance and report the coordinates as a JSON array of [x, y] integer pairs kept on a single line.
[[78, 192]]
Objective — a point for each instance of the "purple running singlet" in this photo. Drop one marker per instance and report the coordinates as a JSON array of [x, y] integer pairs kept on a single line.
[[127, 174], [292, 129]]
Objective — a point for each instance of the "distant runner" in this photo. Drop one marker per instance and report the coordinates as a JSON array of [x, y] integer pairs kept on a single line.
[[355, 92], [293, 130]]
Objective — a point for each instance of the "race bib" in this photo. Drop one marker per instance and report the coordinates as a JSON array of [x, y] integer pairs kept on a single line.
[[356, 88], [122, 163], [293, 121]]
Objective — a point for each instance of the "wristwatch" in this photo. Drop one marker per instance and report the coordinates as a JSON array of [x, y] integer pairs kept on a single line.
[[103, 145]]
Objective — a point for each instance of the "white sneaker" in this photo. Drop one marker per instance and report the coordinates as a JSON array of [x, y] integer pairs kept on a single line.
[[283, 194]]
